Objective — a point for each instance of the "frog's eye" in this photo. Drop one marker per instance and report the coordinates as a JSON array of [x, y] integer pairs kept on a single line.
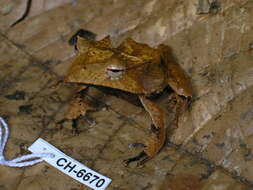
[[115, 72]]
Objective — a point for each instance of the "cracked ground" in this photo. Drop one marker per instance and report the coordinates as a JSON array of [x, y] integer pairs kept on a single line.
[[212, 146]]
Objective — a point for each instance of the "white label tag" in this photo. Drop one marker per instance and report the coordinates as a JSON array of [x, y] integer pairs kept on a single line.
[[70, 166]]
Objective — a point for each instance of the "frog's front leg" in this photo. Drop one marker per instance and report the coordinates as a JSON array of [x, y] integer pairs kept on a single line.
[[158, 133], [78, 107]]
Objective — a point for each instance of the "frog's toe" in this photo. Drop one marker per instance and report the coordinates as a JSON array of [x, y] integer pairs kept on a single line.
[[75, 130], [141, 158], [141, 163]]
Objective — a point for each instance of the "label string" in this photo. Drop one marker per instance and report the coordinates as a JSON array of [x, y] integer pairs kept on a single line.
[[22, 161]]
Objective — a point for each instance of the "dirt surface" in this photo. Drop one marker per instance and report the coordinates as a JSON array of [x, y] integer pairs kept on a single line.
[[211, 148]]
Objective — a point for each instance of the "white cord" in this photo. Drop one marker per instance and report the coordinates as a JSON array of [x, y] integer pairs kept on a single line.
[[22, 161]]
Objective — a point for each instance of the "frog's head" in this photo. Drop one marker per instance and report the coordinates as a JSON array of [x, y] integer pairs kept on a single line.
[[98, 63]]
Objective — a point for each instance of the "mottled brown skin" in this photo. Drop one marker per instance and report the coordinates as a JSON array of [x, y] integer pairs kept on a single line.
[[136, 68]]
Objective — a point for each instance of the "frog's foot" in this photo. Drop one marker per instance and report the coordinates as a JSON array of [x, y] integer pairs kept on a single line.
[[153, 146], [74, 125], [75, 130], [89, 120], [141, 158]]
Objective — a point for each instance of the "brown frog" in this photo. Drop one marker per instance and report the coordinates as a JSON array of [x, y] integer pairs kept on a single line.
[[131, 67]]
